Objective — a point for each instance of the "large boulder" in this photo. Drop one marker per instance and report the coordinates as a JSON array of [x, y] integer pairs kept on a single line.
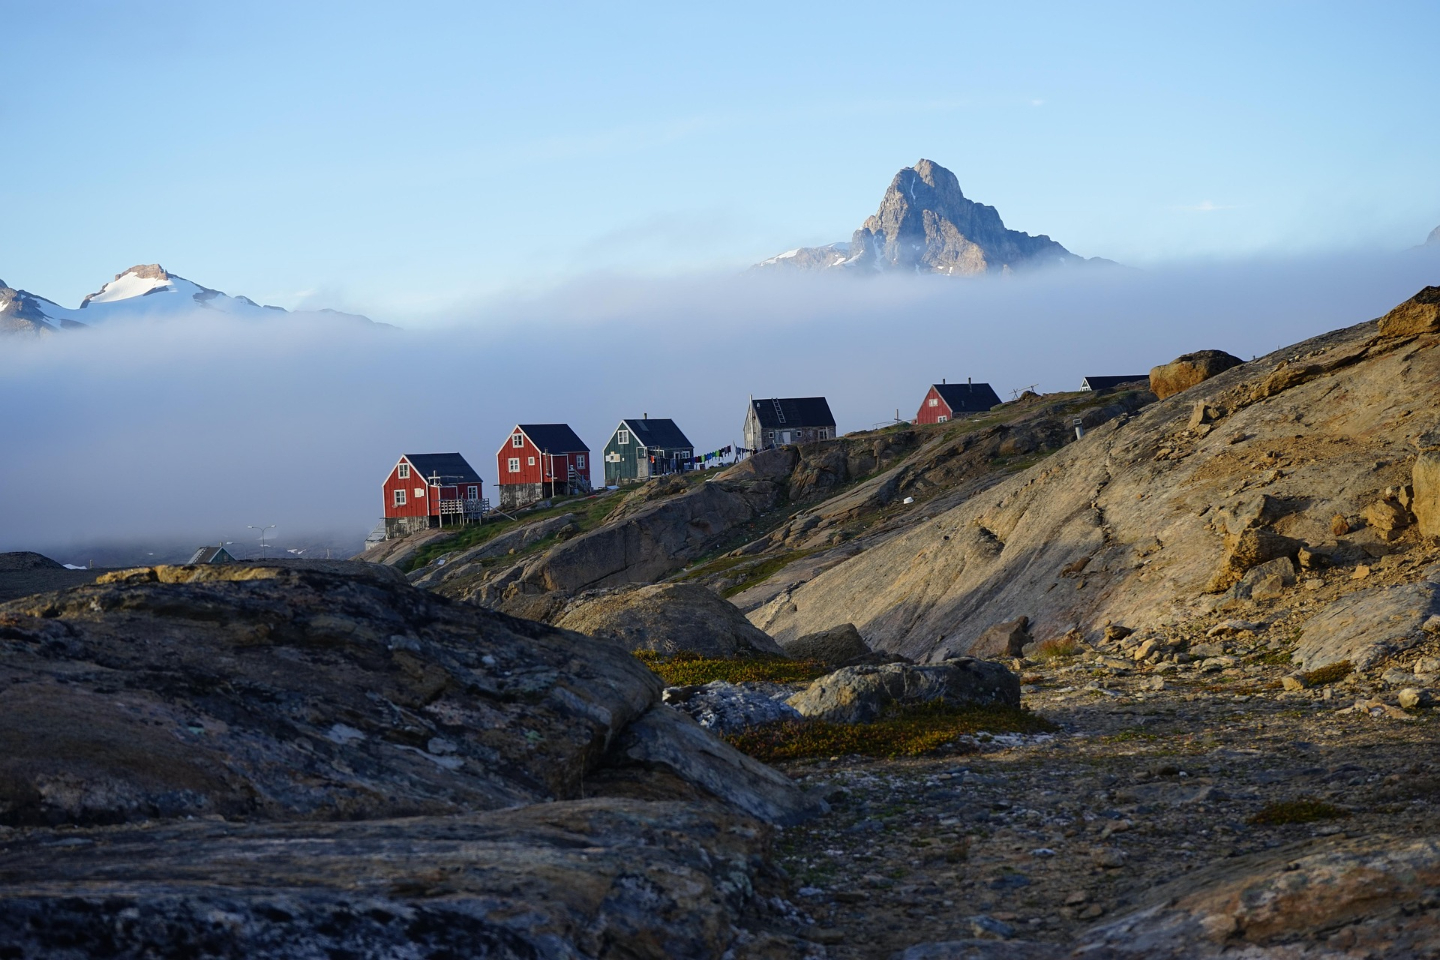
[[669, 618], [834, 646], [1368, 625], [1249, 548], [1006, 639], [258, 692], [1425, 479], [863, 694], [1186, 371], [1420, 314]]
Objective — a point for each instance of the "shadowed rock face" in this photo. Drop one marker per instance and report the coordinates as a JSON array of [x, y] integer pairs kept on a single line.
[[550, 880], [292, 694], [669, 618]]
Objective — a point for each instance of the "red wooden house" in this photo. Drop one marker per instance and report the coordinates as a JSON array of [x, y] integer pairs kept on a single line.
[[539, 460], [945, 401], [431, 490]]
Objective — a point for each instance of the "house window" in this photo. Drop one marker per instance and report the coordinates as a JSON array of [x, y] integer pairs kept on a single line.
[[518, 440], [531, 461], [622, 436], [515, 464], [404, 471], [580, 461], [399, 498], [941, 419], [472, 493]]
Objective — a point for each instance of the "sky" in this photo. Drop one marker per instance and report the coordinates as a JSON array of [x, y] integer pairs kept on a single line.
[[554, 208], [410, 161]]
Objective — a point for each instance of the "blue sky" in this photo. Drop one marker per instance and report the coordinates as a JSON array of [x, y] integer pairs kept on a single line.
[[400, 159]]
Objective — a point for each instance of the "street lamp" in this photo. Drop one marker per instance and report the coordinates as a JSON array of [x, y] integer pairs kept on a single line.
[[262, 537]]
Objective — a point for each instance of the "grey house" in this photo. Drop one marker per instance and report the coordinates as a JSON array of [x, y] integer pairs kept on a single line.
[[777, 422], [211, 555], [645, 448]]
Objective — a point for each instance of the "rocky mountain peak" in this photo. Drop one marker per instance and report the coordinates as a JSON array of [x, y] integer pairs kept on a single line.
[[926, 224], [1434, 239]]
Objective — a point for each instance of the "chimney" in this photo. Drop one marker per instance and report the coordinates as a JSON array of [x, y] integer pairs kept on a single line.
[[970, 382], [644, 416], [942, 381]]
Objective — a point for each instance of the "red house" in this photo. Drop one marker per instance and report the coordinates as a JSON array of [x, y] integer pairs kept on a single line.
[[540, 460], [431, 490], [945, 401]]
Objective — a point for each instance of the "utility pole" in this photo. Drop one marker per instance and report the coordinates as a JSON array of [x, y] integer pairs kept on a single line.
[[262, 530]]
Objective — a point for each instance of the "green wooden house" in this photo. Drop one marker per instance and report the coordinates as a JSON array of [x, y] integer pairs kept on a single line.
[[643, 448]]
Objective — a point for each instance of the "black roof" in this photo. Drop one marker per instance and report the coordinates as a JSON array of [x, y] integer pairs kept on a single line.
[[211, 555], [450, 467], [658, 432], [553, 437], [1110, 383], [794, 412], [967, 397]]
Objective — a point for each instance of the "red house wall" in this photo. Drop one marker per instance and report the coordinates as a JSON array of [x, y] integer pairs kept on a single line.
[[528, 474], [929, 414], [417, 506]]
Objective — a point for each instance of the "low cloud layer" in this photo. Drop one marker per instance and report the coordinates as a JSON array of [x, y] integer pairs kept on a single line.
[[194, 429]]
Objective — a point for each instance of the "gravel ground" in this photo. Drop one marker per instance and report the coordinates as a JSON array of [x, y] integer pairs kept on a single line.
[[1039, 837]]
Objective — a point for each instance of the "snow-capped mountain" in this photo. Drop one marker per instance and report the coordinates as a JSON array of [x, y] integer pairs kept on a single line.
[[925, 224], [146, 291]]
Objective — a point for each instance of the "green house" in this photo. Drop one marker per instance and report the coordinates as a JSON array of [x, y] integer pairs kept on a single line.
[[645, 448]]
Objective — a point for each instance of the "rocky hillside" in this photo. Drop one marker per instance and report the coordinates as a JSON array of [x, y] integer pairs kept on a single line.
[[1303, 455], [925, 224]]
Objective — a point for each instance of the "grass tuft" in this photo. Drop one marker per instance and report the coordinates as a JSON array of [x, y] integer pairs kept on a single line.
[[685, 668], [1304, 810], [1333, 673], [1057, 648], [909, 732]]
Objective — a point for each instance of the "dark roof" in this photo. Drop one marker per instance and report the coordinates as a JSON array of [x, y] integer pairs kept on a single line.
[[553, 437], [967, 397], [450, 467], [1110, 383], [212, 555], [794, 412], [658, 432]]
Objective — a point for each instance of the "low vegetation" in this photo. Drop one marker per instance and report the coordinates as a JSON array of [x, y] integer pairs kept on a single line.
[[1333, 673], [1304, 810], [685, 669], [589, 511], [1058, 648], [910, 732]]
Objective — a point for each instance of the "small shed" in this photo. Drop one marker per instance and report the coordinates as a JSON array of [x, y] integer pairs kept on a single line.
[[1101, 384], [427, 490], [944, 401], [643, 448], [539, 460], [212, 555], [780, 421]]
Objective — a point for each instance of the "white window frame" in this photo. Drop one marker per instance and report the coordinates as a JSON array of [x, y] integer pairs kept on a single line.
[[579, 461], [942, 419], [399, 498], [404, 471], [472, 492], [622, 436], [514, 464], [518, 440]]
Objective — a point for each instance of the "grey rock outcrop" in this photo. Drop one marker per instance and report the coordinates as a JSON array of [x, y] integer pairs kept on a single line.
[[669, 618], [732, 707], [833, 646], [925, 224], [863, 694], [1366, 626], [1006, 639]]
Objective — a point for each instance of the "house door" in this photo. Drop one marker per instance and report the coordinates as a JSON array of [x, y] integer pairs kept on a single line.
[[784, 436], [642, 464]]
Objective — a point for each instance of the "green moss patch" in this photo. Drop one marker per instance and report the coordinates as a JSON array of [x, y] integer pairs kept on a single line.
[[1304, 810], [911, 732], [684, 669]]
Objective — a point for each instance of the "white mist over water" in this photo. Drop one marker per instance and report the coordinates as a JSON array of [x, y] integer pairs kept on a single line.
[[198, 427]]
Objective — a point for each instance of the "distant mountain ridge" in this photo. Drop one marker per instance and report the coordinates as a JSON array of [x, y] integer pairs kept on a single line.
[[926, 224], [143, 291], [1434, 239]]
